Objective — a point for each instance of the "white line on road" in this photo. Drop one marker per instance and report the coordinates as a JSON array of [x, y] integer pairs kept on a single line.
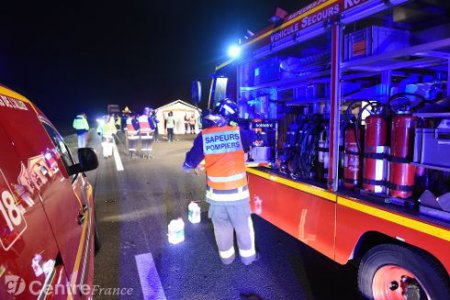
[[148, 276], [117, 159]]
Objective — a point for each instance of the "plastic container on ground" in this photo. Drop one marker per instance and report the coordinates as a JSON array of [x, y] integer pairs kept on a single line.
[[176, 231], [194, 213]]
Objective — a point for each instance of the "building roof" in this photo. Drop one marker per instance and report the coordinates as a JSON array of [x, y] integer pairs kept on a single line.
[[179, 101]]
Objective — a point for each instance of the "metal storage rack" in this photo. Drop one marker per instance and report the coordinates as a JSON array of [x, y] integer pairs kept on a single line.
[[336, 72]]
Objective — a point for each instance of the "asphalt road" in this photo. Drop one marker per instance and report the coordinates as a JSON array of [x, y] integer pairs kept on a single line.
[[134, 207]]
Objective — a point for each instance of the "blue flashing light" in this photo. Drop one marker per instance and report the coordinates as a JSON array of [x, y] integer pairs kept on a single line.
[[234, 51]]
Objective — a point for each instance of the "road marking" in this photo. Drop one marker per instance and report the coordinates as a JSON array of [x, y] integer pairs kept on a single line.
[[148, 276], [117, 159]]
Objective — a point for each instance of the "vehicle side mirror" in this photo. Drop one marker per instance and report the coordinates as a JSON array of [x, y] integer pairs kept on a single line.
[[196, 92], [87, 161]]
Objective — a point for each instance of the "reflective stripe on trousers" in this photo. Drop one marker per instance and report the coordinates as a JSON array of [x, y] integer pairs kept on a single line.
[[226, 254]]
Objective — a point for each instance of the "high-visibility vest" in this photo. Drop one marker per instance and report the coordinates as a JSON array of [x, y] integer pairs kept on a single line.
[[144, 125], [109, 128], [224, 158], [130, 128], [80, 123]]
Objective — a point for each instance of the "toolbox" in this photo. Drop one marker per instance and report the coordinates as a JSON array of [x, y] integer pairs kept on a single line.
[[432, 147]]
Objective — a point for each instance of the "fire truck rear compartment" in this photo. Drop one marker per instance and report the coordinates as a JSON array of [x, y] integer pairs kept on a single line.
[[394, 93]]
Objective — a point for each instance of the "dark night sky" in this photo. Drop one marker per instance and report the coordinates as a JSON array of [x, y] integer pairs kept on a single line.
[[72, 56]]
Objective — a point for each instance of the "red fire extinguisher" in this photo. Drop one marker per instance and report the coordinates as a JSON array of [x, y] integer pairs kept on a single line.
[[401, 171], [375, 154], [352, 158]]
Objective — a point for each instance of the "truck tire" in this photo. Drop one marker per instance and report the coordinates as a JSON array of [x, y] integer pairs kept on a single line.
[[397, 272]]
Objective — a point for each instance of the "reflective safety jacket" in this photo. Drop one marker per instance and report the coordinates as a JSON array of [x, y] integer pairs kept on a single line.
[[223, 150], [108, 129], [144, 125], [131, 128], [80, 124], [224, 158]]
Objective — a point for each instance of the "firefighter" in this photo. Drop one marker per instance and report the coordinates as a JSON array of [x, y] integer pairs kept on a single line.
[[132, 134], [222, 144], [150, 113], [154, 121], [81, 125], [146, 133]]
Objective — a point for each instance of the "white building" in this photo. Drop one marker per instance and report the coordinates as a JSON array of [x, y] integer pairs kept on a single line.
[[180, 109]]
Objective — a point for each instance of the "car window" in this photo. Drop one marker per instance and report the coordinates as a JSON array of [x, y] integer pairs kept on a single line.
[[62, 148]]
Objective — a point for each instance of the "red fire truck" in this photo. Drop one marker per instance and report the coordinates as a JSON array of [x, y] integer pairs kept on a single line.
[[47, 228], [350, 103]]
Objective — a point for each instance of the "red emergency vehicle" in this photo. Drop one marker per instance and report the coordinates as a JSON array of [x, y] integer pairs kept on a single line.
[[352, 103], [46, 208]]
